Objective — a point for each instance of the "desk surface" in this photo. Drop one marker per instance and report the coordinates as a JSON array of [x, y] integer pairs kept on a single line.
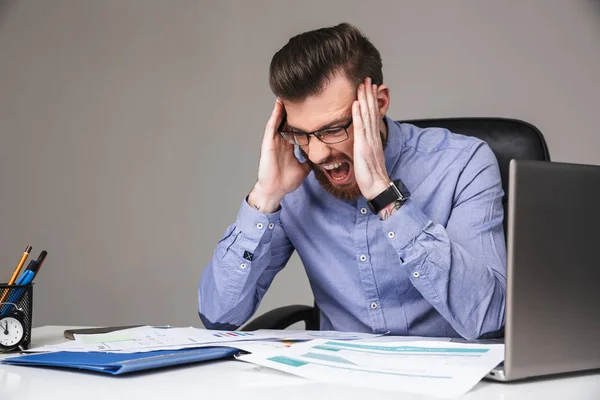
[[237, 379]]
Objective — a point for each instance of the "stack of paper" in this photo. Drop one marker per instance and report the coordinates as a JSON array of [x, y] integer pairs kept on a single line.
[[426, 367], [148, 338], [431, 367], [149, 347]]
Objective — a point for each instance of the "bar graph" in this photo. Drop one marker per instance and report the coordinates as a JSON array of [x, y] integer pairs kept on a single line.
[[231, 334]]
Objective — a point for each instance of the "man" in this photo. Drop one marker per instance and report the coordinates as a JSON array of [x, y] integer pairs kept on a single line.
[[399, 228]]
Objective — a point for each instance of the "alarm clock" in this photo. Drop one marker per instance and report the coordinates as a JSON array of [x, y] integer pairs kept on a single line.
[[12, 331]]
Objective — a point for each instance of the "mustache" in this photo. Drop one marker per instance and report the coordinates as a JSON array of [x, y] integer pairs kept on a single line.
[[329, 160]]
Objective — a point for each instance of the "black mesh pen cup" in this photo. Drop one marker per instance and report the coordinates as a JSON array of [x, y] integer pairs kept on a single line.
[[16, 316]]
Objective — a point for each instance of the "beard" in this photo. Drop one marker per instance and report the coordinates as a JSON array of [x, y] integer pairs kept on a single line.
[[349, 191]]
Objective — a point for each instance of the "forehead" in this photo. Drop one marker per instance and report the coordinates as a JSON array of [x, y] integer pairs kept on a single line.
[[334, 102]]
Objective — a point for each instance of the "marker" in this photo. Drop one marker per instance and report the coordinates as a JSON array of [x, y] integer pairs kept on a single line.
[[32, 269], [40, 260]]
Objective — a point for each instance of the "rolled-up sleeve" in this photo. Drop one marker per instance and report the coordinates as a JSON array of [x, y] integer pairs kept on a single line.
[[460, 268]]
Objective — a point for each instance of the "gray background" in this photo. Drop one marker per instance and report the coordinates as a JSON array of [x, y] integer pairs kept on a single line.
[[130, 130]]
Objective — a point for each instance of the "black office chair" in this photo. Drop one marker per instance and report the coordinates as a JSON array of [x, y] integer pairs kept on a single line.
[[508, 138]]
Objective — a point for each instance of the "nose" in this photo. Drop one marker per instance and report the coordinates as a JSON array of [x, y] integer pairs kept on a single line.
[[318, 151]]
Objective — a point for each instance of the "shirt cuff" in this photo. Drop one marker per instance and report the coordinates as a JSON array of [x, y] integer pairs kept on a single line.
[[255, 225], [405, 224]]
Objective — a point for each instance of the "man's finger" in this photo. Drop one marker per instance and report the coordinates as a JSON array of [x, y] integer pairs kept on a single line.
[[357, 121], [376, 104], [270, 136], [370, 99], [364, 106], [275, 119]]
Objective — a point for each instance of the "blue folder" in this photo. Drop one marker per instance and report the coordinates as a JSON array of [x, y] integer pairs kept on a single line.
[[122, 363]]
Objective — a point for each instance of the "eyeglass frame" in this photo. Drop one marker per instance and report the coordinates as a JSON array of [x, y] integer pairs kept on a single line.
[[314, 133]]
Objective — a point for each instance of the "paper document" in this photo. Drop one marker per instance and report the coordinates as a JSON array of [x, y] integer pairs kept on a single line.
[[297, 335], [441, 369], [149, 338], [395, 339]]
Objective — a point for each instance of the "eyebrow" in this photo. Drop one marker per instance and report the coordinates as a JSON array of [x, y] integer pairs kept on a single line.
[[335, 123]]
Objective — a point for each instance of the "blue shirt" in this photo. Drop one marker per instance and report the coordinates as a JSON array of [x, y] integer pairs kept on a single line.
[[437, 267]]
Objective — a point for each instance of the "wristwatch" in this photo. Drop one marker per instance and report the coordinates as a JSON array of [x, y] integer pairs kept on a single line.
[[395, 192]]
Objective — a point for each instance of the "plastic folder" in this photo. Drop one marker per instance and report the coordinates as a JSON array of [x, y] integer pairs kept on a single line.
[[122, 363]]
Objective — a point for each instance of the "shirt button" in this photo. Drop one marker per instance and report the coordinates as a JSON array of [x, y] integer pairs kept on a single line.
[[271, 225], [363, 257], [259, 225], [363, 210], [373, 305], [416, 274], [391, 235], [243, 265]]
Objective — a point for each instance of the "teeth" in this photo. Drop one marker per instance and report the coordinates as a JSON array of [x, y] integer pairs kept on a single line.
[[332, 166]]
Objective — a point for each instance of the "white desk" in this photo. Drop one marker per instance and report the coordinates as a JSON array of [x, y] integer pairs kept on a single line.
[[240, 380]]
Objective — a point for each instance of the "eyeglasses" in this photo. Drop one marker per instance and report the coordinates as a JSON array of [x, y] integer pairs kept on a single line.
[[335, 134]]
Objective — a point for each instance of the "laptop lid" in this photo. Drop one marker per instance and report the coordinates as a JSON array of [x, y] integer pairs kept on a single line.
[[553, 269]]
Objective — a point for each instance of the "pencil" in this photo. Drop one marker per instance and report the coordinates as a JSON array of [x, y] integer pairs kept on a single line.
[[13, 278]]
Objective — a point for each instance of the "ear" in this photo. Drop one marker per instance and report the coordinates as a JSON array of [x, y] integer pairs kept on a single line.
[[383, 99]]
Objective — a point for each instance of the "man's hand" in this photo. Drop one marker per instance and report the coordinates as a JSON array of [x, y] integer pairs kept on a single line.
[[369, 162], [279, 171]]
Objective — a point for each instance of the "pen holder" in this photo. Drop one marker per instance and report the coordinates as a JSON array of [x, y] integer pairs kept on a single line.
[[16, 312]]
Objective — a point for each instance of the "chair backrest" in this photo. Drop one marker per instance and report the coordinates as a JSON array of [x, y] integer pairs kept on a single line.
[[508, 139]]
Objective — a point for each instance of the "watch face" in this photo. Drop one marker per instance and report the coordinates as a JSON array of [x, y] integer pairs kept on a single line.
[[11, 331]]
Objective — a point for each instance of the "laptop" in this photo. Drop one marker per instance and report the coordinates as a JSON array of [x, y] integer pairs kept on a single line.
[[553, 270]]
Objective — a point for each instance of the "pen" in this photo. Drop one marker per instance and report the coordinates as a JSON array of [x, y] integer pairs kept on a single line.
[[13, 293], [27, 276], [25, 279], [40, 260], [32, 269], [13, 278]]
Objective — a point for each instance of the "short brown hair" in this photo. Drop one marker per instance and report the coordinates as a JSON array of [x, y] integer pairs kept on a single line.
[[302, 67]]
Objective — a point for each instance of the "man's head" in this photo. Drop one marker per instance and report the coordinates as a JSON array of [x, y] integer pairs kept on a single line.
[[316, 75]]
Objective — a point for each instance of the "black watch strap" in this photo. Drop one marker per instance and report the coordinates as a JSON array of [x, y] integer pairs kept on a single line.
[[395, 192]]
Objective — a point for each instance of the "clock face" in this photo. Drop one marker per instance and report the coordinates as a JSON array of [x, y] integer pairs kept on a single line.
[[11, 331]]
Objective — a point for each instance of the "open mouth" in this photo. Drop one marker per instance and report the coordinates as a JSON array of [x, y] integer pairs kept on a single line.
[[338, 172]]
